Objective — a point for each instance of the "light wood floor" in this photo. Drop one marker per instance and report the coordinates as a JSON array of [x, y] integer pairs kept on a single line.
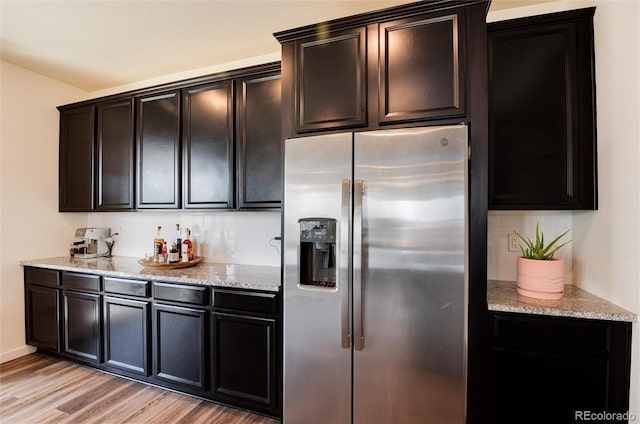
[[40, 389]]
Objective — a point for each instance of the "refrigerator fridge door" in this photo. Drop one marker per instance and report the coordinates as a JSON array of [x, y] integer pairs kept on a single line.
[[317, 354], [409, 275]]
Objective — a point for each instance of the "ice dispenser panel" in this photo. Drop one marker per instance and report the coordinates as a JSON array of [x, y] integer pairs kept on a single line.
[[318, 252]]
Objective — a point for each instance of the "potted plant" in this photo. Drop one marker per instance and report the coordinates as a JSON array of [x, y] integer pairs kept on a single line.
[[540, 275]]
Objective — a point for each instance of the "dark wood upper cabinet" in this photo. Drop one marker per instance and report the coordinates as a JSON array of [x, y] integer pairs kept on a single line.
[[331, 74], [259, 141], [542, 140], [158, 151], [420, 69], [390, 68], [207, 153], [76, 158], [115, 155]]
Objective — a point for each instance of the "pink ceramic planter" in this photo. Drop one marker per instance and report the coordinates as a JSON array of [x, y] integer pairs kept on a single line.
[[541, 279]]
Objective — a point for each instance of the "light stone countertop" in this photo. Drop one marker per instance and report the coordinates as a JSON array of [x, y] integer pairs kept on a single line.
[[253, 277], [576, 303]]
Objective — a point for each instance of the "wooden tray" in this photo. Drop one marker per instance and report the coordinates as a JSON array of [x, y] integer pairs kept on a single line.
[[149, 264]]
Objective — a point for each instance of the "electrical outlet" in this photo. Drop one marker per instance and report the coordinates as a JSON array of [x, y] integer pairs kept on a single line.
[[513, 244]]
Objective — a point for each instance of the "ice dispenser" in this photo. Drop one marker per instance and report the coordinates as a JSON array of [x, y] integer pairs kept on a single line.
[[318, 252]]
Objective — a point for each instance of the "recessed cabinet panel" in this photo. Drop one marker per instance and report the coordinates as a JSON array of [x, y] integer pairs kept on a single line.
[[179, 342], [158, 151], [42, 276], [126, 334], [331, 80], [115, 153], [43, 317], [542, 152], [552, 367], [82, 326], [420, 69], [208, 146], [76, 159], [259, 142], [243, 365]]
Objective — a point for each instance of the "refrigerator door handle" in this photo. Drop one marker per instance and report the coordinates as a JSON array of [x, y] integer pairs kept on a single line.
[[358, 292], [344, 283]]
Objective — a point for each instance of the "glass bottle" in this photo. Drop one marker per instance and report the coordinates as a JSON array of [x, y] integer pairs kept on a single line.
[[158, 242], [177, 241], [187, 247]]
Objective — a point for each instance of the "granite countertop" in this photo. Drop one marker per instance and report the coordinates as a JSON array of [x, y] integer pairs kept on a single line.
[[576, 303], [254, 277]]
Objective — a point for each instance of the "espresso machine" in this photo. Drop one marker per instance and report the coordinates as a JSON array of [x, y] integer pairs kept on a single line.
[[90, 243]]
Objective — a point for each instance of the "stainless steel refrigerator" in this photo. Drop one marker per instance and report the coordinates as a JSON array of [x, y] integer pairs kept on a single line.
[[375, 276]]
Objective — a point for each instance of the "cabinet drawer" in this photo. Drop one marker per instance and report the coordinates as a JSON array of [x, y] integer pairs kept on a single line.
[[74, 281], [126, 287], [551, 334], [181, 294], [43, 277], [262, 303]]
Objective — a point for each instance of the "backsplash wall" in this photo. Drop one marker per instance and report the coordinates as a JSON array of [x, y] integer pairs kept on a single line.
[[501, 264], [229, 237]]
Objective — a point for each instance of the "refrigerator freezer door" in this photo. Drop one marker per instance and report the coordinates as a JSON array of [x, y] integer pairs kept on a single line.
[[411, 368], [317, 353]]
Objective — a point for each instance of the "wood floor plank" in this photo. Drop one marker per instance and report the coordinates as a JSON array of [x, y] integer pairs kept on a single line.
[[43, 389]]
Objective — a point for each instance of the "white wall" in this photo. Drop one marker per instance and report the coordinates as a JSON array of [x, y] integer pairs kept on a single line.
[[501, 264], [606, 242], [229, 237], [30, 225]]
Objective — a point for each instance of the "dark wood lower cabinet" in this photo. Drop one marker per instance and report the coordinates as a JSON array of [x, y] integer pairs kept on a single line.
[[179, 346], [126, 334], [243, 359], [217, 344], [82, 325], [43, 317], [556, 370]]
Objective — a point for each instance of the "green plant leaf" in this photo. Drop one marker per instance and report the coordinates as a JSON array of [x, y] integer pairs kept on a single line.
[[537, 249]]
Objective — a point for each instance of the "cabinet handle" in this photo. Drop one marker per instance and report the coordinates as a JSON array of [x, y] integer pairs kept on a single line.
[[345, 248], [358, 291]]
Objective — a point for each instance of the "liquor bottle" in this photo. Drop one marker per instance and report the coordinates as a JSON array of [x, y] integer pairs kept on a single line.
[[165, 252], [187, 247], [174, 254], [177, 240], [158, 242]]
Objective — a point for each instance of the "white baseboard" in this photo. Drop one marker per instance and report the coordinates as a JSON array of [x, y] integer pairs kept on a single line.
[[16, 353]]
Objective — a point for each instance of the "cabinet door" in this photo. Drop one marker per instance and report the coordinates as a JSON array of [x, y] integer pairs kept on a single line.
[[553, 367], [331, 80], [421, 68], [244, 360], [179, 346], [158, 151], [82, 326], [259, 141], [43, 317], [76, 159], [542, 148], [115, 152], [208, 146], [126, 334], [547, 387]]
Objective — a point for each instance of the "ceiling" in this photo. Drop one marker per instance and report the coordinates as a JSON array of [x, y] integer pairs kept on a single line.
[[99, 44]]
